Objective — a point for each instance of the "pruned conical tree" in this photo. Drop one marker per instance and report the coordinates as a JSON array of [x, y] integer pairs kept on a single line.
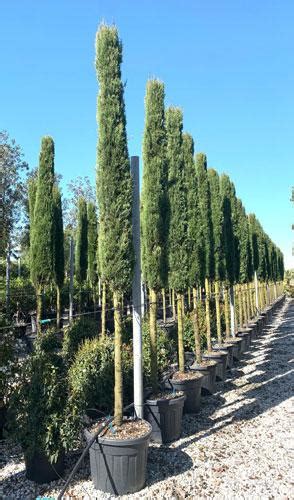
[[81, 247], [195, 254], [58, 250], [178, 263], [228, 243], [154, 208], [42, 241], [114, 188], [205, 235], [32, 192]]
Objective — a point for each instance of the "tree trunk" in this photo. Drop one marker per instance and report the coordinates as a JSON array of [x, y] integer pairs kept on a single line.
[[174, 305], [196, 329], [189, 298], [58, 306], [244, 295], [39, 308], [153, 338], [240, 307], [163, 305], [207, 315], [227, 313], [180, 332], [118, 382], [103, 310], [218, 315], [232, 310]]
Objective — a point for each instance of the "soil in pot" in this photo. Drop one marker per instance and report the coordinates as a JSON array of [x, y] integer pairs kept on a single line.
[[40, 470], [208, 369], [164, 412], [189, 383], [221, 358], [118, 458]]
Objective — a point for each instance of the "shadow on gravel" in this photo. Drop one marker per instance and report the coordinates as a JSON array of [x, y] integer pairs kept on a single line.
[[274, 380]]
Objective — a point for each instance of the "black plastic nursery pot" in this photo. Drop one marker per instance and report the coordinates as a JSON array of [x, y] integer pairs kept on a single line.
[[118, 466], [40, 470], [3, 416], [246, 337], [209, 376], [191, 388], [248, 330], [221, 358], [237, 347], [254, 326], [225, 347], [165, 418]]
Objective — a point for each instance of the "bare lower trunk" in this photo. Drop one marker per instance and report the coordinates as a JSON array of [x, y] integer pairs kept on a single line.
[[163, 305], [180, 332], [58, 306], [153, 338], [196, 330], [189, 298], [194, 298], [174, 305], [118, 382], [39, 308], [240, 307], [103, 310], [207, 316], [218, 316]]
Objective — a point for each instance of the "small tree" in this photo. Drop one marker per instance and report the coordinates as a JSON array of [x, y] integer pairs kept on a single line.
[[154, 208], [81, 247], [42, 242], [217, 225], [205, 234], [92, 246], [58, 250], [177, 235], [114, 188]]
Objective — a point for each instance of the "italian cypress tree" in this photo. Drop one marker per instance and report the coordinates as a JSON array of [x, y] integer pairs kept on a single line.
[[114, 188], [196, 256], [228, 242], [217, 225], [92, 246], [177, 224], [81, 246], [58, 250], [42, 242], [254, 235], [32, 192], [154, 208], [205, 234]]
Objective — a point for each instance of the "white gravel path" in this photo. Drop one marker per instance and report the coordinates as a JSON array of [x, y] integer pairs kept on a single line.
[[239, 446]]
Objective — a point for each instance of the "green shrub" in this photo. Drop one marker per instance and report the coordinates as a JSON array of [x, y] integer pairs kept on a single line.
[[38, 406], [75, 334], [189, 338], [48, 341], [7, 361]]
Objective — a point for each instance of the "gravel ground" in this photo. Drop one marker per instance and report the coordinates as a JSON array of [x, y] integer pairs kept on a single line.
[[238, 446]]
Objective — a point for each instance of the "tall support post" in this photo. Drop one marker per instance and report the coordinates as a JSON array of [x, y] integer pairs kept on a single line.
[[8, 279], [232, 311], [71, 276], [256, 291], [136, 292]]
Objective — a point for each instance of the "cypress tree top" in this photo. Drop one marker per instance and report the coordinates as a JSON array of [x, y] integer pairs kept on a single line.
[[217, 223], [92, 242], [42, 243], [81, 251], [154, 188], [114, 184], [205, 220], [58, 238], [177, 235], [194, 250], [227, 233], [253, 226]]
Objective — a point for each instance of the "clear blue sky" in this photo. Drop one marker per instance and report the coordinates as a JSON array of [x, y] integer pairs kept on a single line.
[[229, 64]]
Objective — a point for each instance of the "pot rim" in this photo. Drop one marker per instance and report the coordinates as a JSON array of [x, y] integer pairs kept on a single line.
[[120, 442]]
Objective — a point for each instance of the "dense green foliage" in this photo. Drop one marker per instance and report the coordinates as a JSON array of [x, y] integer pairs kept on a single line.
[[177, 224], [58, 238], [75, 334], [114, 185], [205, 234], [42, 231], [81, 247], [217, 217], [227, 233], [154, 188]]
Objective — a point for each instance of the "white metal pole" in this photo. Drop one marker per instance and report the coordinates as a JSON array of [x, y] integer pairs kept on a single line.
[[71, 276], [137, 291], [232, 310], [256, 291]]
